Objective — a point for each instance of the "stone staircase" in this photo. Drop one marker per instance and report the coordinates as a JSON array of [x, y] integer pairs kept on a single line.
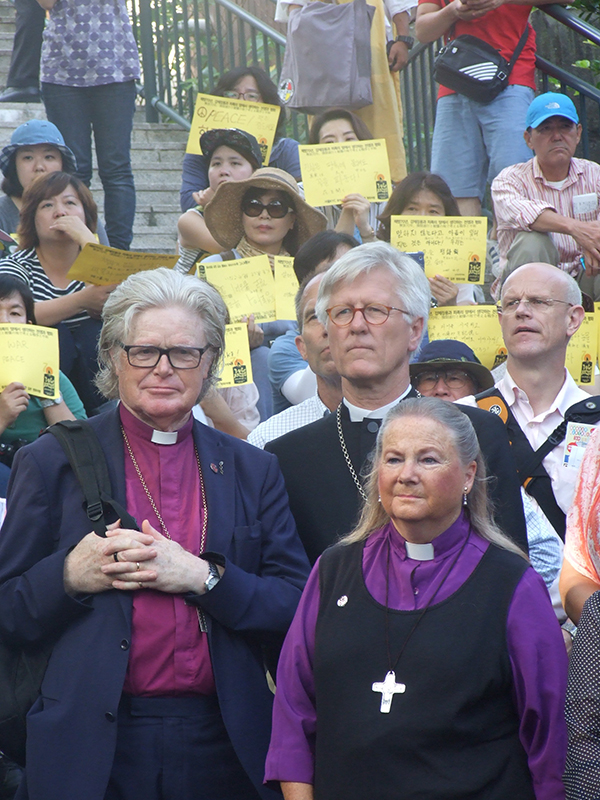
[[156, 154]]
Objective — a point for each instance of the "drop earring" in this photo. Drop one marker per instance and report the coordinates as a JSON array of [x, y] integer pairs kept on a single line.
[[465, 496]]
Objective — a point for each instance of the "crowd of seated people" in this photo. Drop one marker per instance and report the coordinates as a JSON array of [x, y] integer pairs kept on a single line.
[[416, 521]]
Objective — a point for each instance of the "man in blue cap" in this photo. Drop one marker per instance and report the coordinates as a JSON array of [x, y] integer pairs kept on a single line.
[[547, 208]]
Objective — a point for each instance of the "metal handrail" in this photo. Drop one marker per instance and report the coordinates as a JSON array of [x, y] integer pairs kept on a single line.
[[254, 21], [575, 23], [183, 53]]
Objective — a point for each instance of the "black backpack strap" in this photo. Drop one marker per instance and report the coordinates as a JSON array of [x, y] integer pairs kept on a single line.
[[88, 462], [451, 34], [532, 474]]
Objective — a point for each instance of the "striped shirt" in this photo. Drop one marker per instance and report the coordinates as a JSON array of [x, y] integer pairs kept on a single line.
[[289, 419], [25, 265], [521, 193]]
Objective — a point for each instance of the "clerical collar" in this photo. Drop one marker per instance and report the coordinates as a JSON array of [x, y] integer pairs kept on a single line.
[[420, 552], [164, 437], [358, 414], [135, 427]]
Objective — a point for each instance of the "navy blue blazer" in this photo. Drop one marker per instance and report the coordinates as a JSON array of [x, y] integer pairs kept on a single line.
[[72, 727]]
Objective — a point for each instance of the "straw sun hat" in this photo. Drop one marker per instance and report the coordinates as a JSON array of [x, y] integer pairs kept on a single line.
[[223, 214]]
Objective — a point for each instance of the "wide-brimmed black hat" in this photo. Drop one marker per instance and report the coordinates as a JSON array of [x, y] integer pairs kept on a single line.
[[452, 354]]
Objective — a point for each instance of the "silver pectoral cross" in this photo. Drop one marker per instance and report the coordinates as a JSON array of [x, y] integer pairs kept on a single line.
[[388, 689]]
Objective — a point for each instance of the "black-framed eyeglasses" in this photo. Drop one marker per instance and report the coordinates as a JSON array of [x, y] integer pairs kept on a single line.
[[453, 378], [540, 304], [250, 97], [148, 356], [374, 314], [274, 208]]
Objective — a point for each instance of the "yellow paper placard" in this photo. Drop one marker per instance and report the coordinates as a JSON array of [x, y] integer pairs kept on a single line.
[[454, 247], [476, 326], [104, 265], [246, 285], [286, 287], [29, 355], [597, 315], [582, 351], [331, 171], [259, 119], [237, 367]]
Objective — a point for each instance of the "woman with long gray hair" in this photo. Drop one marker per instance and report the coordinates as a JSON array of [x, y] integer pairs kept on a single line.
[[424, 659], [156, 686]]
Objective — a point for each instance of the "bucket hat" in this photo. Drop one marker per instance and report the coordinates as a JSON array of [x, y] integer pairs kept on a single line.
[[37, 131], [452, 354], [223, 214], [243, 143]]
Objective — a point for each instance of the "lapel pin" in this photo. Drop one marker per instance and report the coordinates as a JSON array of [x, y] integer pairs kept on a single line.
[[221, 467], [214, 467]]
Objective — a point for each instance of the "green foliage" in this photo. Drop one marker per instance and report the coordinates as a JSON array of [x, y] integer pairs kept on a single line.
[[589, 10]]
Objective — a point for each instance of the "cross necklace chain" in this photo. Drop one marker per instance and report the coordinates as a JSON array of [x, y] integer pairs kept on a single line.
[[165, 530], [388, 687]]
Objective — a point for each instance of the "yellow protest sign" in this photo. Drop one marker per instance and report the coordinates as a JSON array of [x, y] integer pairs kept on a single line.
[[331, 171], [454, 247], [597, 315], [237, 368], [259, 119], [29, 355], [105, 265], [246, 285], [582, 352], [476, 326], [286, 286]]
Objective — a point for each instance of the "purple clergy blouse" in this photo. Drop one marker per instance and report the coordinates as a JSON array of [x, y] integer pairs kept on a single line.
[[534, 640], [169, 655]]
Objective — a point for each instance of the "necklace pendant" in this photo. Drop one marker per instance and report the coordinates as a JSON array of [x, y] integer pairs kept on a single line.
[[388, 689]]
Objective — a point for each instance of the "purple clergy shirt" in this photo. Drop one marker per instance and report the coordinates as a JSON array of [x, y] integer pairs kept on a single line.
[[535, 647], [169, 655]]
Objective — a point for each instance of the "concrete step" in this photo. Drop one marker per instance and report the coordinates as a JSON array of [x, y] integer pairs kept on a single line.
[[148, 240], [5, 54], [158, 132]]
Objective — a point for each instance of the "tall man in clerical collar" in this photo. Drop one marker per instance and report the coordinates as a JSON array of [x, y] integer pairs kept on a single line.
[[540, 310], [375, 304]]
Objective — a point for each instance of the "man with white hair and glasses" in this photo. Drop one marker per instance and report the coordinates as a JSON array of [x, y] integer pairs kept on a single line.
[[375, 303]]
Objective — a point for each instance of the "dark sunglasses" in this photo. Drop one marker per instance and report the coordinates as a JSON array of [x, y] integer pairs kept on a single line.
[[275, 208]]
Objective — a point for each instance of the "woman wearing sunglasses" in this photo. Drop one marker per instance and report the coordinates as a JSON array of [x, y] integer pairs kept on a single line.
[[263, 214]]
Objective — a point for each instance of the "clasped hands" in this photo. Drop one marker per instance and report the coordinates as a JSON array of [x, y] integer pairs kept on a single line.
[[468, 10], [128, 560]]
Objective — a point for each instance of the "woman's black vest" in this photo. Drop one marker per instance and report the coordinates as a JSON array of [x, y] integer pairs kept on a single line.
[[453, 733]]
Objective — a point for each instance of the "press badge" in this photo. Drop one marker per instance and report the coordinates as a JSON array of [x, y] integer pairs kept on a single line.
[[585, 204], [576, 440]]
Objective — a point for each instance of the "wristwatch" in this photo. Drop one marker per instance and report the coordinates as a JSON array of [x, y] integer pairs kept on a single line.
[[408, 41], [47, 403], [213, 576]]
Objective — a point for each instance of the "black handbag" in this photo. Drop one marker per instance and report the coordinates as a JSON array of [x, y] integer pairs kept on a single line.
[[22, 670], [474, 68]]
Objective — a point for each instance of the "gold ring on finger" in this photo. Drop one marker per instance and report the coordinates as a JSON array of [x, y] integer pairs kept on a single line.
[[137, 565], [141, 585]]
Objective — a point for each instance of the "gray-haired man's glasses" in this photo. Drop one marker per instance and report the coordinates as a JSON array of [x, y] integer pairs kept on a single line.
[[147, 356], [374, 314]]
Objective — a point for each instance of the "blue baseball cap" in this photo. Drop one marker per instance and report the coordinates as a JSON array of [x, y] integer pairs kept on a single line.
[[37, 131], [550, 104]]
